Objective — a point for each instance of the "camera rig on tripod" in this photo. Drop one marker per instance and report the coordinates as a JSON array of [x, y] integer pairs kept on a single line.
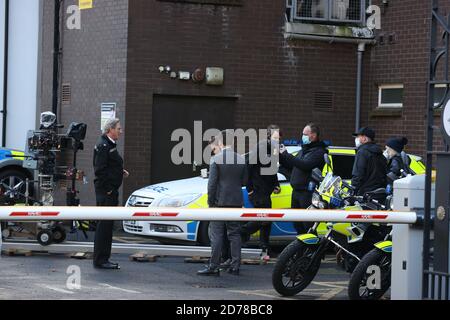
[[43, 150], [44, 156]]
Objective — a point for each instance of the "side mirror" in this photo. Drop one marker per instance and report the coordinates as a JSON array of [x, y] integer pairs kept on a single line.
[[317, 175]]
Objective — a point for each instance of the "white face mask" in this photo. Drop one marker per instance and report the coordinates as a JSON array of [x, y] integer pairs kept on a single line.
[[357, 142], [386, 154]]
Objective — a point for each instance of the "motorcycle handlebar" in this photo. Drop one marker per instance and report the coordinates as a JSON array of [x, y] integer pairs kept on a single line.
[[348, 186]]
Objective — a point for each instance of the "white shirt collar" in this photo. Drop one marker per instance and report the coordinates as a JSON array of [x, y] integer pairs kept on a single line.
[[111, 139]]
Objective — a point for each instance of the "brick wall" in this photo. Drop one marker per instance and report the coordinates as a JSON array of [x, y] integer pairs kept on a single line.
[[274, 79], [405, 61], [94, 62]]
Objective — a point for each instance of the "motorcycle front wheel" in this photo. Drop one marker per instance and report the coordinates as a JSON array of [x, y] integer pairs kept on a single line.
[[358, 288], [295, 268]]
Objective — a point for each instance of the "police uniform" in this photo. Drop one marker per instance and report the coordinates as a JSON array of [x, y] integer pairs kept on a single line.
[[108, 168]]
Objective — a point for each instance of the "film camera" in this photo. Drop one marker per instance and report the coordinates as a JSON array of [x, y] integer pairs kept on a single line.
[[44, 156], [43, 152]]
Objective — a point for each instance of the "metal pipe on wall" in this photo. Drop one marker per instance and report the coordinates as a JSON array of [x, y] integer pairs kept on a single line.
[[5, 74], [361, 49], [56, 54]]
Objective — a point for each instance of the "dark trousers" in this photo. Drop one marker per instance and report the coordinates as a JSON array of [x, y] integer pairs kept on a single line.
[[104, 231], [226, 250], [217, 231], [301, 200], [264, 227]]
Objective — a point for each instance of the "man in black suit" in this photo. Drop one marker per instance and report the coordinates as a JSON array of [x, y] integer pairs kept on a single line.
[[109, 173], [227, 176], [261, 184]]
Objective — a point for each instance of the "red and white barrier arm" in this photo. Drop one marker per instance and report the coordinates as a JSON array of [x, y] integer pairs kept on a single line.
[[209, 214]]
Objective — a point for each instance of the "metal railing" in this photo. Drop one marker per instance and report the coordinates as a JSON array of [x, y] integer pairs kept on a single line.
[[438, 288], [436, 271]]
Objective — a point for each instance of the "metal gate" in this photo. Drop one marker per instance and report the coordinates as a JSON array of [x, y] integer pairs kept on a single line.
[[436, 251]]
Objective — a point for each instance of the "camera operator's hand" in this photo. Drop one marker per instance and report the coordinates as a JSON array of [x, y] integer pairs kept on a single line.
[[126, 174]]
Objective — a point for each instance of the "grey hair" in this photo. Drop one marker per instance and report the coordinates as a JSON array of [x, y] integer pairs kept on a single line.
[[110, 124]]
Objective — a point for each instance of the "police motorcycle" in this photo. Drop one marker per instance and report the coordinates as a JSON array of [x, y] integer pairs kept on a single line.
[[366, 282], [300, 261]]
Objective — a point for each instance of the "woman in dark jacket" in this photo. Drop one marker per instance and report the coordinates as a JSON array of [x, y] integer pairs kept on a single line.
[[394, 148]]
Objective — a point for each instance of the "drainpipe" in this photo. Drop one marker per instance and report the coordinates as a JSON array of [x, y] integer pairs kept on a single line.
[[5, 74], [56, 53], [361, 49]]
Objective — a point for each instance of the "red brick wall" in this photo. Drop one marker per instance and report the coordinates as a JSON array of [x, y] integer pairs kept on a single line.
[[93, 61], [405, 61], [116, 55], [274, 79]]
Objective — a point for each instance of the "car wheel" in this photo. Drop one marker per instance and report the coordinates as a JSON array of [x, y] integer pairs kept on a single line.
[[203, 234], [12, 182]]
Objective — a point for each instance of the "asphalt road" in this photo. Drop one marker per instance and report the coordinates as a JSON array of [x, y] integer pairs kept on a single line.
[[46, 277]]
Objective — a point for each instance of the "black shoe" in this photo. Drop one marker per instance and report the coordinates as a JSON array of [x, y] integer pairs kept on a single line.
[[107, 265], [209, 272], [234, 272]]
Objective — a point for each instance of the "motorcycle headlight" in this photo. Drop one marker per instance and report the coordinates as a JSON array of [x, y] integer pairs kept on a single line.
[[176, 201]]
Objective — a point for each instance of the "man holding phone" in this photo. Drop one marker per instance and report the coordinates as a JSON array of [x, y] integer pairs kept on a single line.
[[310, 157]]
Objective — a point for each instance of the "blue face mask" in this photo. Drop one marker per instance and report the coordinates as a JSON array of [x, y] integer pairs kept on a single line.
[[305, 140]]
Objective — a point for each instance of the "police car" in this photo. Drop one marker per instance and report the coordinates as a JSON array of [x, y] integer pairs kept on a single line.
[[12, 175], [192, 193]]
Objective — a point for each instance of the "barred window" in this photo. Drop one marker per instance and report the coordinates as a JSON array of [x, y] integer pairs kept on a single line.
[[328, 11], [314, 9]]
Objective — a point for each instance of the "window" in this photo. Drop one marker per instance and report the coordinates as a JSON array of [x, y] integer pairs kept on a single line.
[[390, 96], [328, 11]]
